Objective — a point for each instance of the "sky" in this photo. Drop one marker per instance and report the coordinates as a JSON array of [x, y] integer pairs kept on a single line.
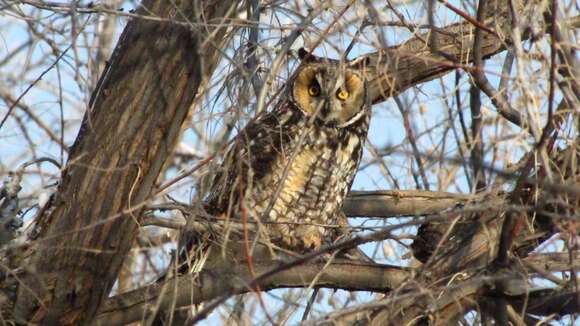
[[386, 131]]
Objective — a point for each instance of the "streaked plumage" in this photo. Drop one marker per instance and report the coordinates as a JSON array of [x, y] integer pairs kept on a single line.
[[292, 167]]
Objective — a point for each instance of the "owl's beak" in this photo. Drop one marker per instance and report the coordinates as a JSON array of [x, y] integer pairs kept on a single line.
[[325, 111]]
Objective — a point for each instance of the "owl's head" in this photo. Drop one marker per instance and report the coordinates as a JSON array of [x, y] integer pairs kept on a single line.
[[335, 94]]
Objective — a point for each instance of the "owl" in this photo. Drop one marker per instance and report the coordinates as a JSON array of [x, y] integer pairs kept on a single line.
[[290, 169]]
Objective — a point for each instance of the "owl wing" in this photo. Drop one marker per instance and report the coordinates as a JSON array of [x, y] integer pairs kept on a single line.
[[251, 157]]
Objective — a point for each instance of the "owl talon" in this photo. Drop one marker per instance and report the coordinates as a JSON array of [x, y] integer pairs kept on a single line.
[[312, 241]]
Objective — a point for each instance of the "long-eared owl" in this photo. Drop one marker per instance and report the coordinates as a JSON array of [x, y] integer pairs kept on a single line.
[[291, 167]]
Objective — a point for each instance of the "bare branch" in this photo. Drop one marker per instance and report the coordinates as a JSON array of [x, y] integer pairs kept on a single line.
[[188, 290], [401, 202]]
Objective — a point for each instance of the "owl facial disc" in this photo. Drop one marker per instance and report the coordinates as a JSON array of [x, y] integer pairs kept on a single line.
[[337, 96]]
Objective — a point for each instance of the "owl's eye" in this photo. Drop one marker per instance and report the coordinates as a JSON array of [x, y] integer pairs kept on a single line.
[[313, 90], [342, 95]]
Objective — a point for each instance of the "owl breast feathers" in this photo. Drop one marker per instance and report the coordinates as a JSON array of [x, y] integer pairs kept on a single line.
[[292, 167]]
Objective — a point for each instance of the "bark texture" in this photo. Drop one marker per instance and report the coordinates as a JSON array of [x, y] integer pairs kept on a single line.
[[127, 134]]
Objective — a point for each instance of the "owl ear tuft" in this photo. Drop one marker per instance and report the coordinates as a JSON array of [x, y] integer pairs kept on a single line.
[[307, 57], [302, 53]]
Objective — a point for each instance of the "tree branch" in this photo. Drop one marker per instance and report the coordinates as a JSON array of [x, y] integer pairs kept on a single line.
[[395, 203], [128, 132], [381, 203], [188, 290], [397, 68]]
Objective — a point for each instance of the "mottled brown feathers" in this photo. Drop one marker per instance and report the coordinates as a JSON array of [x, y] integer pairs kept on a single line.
[[292, 167]]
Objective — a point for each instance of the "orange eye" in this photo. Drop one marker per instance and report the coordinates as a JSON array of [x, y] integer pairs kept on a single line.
[[342, 95], [313, 91]]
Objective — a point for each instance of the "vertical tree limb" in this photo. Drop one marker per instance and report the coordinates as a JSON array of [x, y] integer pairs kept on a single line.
[[127, 134]]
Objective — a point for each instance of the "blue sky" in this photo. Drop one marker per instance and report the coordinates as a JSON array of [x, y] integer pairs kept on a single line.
[[71, 75]]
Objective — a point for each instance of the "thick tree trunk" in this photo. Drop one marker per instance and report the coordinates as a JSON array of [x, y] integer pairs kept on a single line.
[[127, 134]]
